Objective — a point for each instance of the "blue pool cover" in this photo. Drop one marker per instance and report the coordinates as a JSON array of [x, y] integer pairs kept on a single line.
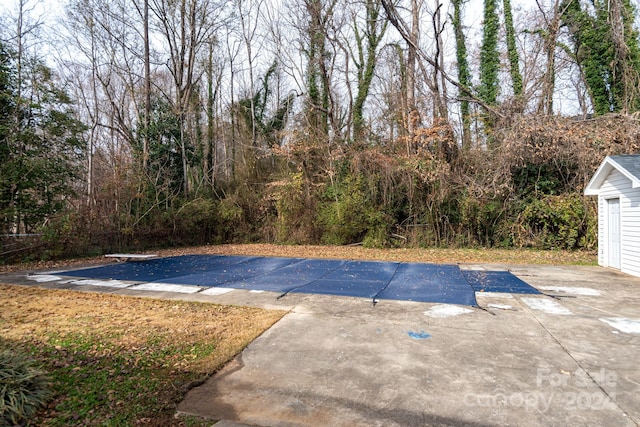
[[368, 279], [498, 281]]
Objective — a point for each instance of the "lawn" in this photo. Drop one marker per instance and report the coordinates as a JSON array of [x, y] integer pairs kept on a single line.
[[117, 360], [430, 255]]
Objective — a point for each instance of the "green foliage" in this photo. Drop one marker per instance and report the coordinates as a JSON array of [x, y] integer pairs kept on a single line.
[[532, 180], [256, 112], [489, 56], [610, 61], [165, 167], [24, 388], [514, 66], [349, 215], [231, 217], [229, 211], [41, 148], [555, 222], [295, 221], [464, 74], [196, 221], [484, 220]]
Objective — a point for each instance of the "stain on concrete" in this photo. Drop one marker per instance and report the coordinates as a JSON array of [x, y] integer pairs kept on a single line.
[[422, 335]]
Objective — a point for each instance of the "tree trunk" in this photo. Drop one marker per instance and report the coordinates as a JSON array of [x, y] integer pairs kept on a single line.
[[412, 113], [512, 51], [147, 88], [464, 75]]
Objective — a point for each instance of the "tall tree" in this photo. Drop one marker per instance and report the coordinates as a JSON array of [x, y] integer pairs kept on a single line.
[[549, 33], [24, 36], [512, 51], [266, 125], [248, 26], [489, 56], [147, 82], [626, 58], [41, 146], [438, 85], [320, 14], [186, 27], [410, 33], [413, 116], [104, 67], [607, 49], [143, 11], [367, 41], [464, 74], [214, 78]]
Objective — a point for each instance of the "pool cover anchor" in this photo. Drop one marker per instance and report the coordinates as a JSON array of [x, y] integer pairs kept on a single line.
[[374, 299]]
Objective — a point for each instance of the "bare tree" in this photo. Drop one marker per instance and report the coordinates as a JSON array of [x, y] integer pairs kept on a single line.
[[186, 29], [318, 86], [23, 35], [248, 28], [549, 33], [233, 50], [438, 81], [98, 40], [144, 13]]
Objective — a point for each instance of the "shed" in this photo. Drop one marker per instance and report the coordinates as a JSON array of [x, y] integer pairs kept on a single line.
[[617, 185]]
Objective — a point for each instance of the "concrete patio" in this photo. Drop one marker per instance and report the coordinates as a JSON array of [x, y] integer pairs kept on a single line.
[[566, 358]]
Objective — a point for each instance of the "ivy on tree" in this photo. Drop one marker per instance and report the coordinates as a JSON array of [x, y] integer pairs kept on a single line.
[[489, 57], [606, 47]]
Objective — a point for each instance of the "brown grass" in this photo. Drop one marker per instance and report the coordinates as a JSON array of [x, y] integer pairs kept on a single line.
[[166, 345], [430, 255], [435, 255]]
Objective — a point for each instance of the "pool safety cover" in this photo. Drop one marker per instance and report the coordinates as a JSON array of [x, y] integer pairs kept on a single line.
[[368, 279], [429, 283], [498, 281]]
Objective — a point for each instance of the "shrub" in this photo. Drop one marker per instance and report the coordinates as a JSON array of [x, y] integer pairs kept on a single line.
[[23, 388], [295, 222], [196, 221], [231, 218], [555, 222], [349, 216], [378, 230]]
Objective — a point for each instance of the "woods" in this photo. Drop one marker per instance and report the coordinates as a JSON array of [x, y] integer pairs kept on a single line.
[[136, 124]]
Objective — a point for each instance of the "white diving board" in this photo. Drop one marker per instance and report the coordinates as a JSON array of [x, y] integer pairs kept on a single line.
[[131, 257]]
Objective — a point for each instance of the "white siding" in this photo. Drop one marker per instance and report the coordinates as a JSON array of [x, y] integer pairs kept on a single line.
[[631, 224], [603, 214], [617, 185]]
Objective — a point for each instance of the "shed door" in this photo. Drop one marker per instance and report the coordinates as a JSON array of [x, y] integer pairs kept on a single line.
[[614, 232]]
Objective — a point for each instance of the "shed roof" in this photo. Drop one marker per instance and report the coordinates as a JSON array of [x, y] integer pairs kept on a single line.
[[627, 164]]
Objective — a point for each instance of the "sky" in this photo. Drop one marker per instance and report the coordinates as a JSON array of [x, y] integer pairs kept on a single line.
[[51, 11]]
